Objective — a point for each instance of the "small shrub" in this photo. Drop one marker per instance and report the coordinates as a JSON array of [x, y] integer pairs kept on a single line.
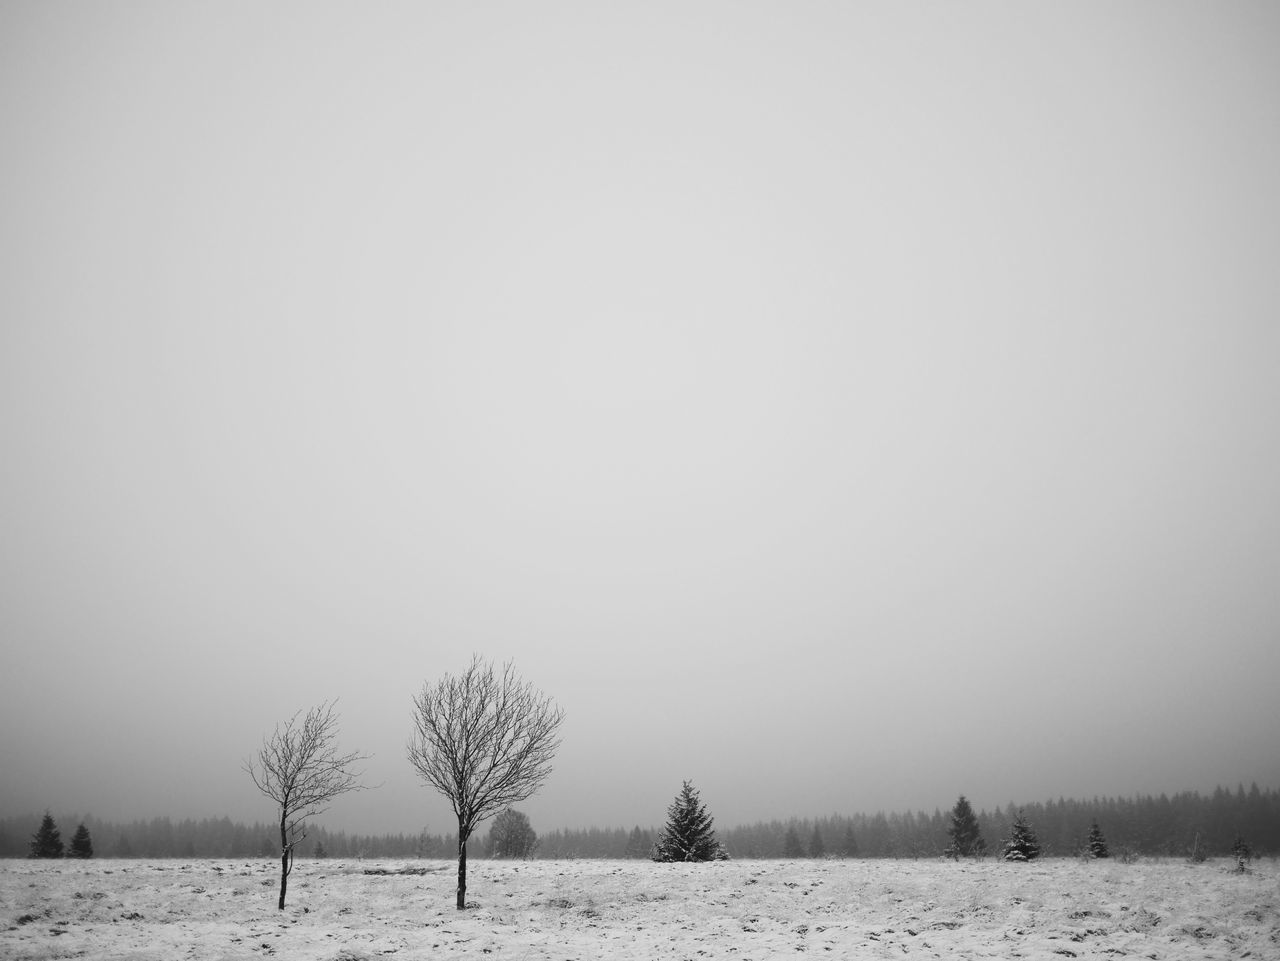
[[1242, 853]]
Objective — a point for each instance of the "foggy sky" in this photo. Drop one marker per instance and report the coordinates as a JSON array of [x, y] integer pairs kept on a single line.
[[845, 406]]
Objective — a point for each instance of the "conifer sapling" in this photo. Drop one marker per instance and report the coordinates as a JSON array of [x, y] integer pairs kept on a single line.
[[1022, 845], [1097, 844]]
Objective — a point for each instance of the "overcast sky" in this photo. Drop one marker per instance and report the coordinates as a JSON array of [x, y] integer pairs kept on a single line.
[[845, 406]]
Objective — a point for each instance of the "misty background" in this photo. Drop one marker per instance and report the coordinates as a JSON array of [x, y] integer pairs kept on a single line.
[[843, 406]]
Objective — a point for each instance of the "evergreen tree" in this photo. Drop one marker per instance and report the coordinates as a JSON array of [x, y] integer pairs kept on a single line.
[[1097, 844], [816, 848], [320, 852], [791, 845], [1022, 845], [688, 835], [966, 836], [46, 842], [81, 844], [849, 846]]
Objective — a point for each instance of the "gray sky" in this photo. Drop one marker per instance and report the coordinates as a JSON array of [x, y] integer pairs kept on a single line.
[[844, 406]]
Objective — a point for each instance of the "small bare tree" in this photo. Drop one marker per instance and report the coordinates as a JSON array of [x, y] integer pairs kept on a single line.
[[485, 740], [299, 768]]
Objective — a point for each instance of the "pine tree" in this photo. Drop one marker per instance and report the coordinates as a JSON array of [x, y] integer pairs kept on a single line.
[[966, 836], [816, 848], [81, 844], [1097, 844], [47, 842], [791, 846], [688, 835], [1022, 845]]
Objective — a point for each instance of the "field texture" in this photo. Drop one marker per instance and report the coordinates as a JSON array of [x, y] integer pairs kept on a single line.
[[625, 909]]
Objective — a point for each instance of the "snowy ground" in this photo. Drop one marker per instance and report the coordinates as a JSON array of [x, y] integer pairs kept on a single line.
[[627, 909]]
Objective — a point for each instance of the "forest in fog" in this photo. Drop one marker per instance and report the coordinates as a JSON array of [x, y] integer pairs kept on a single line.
[[1152, 826]]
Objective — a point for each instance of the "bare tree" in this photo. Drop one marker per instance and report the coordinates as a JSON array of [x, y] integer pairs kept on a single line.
[[485, 740], [299, 768]]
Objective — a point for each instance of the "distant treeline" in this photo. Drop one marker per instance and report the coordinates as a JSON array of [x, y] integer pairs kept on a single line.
[[1160, 826], [219, 838], [1152, 826]]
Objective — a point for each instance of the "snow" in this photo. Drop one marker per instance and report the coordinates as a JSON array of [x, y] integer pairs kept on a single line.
[[105, 909]]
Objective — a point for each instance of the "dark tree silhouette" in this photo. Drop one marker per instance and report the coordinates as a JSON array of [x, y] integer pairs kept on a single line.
[[512, 836], [688, 835], [299, 768], [1022, 845], [485, 740], [791, 844], [81, 843], [47, 841], [1097, 844], [966, 836], [816, 848]]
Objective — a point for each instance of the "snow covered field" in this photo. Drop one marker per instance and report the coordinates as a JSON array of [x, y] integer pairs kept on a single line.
[[627, 909]]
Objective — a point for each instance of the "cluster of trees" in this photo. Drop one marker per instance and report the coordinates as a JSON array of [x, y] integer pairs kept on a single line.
[[47, 841], [1162, 826], [224, 838], [484, 739], [1157, 826]]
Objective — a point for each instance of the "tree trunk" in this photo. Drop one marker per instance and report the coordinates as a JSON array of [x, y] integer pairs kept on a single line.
[[284, 864], [462, 869]]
